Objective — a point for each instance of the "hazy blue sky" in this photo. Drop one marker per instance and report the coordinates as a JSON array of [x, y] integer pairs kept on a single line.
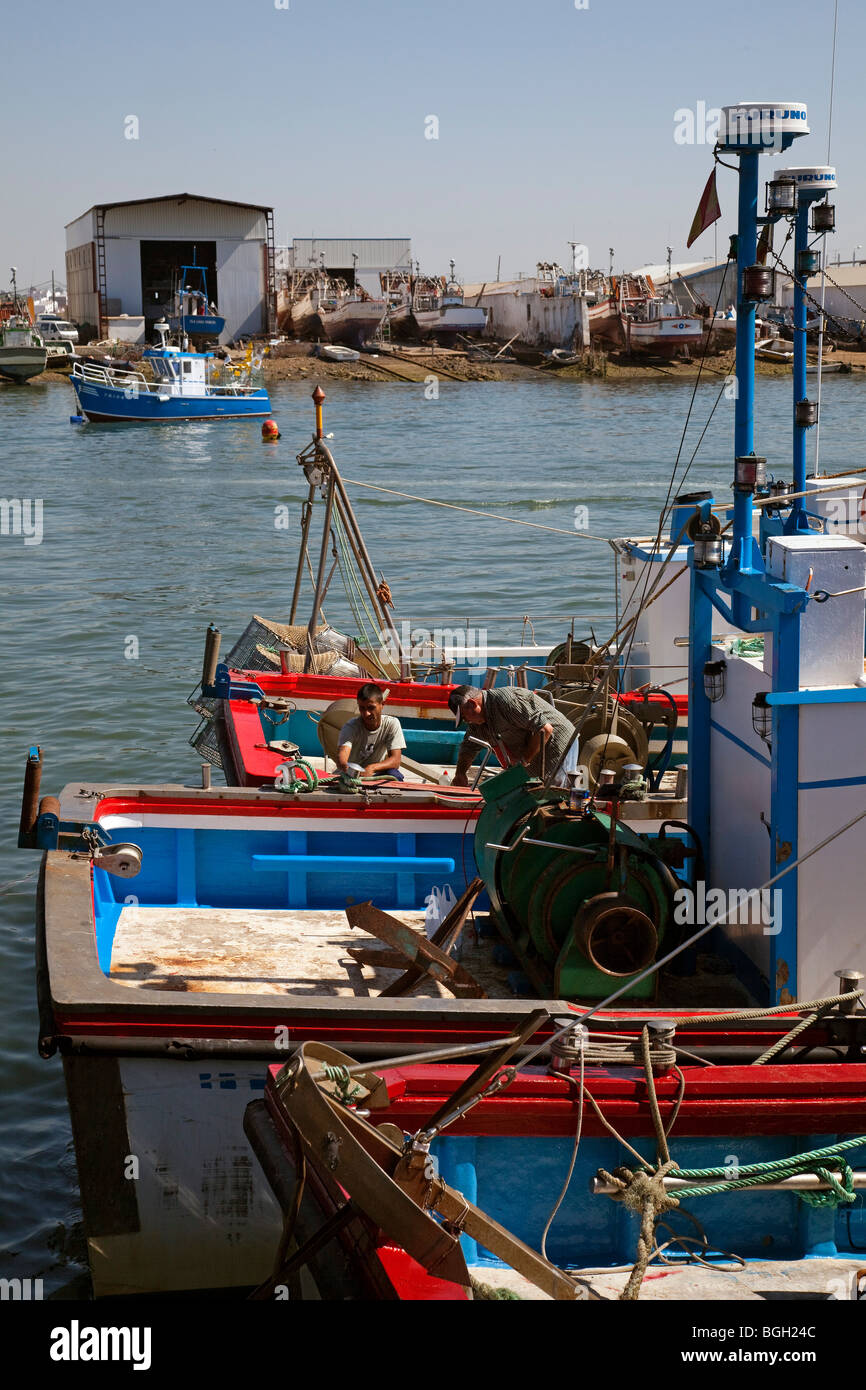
[[555, 122]]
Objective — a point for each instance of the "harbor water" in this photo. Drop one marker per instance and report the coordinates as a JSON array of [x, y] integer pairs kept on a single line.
[[148, 533]]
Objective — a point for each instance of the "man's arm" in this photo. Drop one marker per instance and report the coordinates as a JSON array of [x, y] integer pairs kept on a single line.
[[343, 756], [534, 743], [393, 760]]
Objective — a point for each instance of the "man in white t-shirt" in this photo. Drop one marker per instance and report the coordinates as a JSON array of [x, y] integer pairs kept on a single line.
[[373, 740]]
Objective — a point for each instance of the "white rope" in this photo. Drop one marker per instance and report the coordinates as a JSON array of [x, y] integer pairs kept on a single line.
[[473, 511]]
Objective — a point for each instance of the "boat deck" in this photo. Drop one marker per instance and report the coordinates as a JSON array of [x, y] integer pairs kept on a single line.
[[288, 951]]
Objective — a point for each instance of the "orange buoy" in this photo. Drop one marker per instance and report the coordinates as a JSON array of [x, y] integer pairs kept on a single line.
[[270, 430]]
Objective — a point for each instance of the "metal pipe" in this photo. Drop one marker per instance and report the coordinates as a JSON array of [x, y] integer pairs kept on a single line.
[[320, 577], [212, 640], [365, 563], [798, 521], [30, 798], [306, 518], [744, 556]]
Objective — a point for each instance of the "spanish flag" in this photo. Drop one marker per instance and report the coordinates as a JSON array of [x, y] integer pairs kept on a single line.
[[708, 210]]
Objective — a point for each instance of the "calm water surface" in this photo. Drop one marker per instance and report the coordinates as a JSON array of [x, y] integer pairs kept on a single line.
[[153, 532]]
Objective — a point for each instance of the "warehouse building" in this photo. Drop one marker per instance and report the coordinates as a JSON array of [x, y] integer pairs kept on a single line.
[[843, 291], [123, 261], [357, 260]]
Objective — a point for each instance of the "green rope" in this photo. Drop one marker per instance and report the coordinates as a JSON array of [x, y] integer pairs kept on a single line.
[[301, 784], [747, 646], [339, 1077], [821, 1162]]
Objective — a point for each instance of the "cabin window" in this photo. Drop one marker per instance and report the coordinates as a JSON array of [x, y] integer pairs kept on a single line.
[[528, 312], [187, 366]]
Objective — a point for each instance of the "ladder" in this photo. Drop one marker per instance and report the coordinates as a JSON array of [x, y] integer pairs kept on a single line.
[[271, 276], [101, 278]]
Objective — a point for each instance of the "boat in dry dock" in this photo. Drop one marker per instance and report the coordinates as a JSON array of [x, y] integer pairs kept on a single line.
[[633, 317]]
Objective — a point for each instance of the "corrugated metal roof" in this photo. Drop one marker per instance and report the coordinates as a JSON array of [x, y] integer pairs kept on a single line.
[[172, 198], [379, 253]]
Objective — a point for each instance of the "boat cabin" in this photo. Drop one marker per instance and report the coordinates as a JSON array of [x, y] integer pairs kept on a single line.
[[183, 373]]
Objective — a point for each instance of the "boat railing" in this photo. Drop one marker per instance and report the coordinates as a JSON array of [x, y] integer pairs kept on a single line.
[[100, 375]]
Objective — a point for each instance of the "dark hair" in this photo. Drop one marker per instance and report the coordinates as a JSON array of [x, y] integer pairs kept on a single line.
[[371, 691], [458, 695]]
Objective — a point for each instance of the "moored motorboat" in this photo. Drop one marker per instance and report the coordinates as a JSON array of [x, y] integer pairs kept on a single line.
[[22, 350], [184, 386]]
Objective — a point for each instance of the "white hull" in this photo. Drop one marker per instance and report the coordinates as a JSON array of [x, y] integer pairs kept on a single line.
[[21, 363], [354, 321], [450, 320], [199, 1214]]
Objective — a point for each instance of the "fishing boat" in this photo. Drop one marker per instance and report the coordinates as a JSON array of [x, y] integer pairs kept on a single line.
[[580, 974], [417, 1172], [430, 306], [297, 300], [22, 350], [184, 386], [194, 314], [444, 315], [634, 317], [348, 314]]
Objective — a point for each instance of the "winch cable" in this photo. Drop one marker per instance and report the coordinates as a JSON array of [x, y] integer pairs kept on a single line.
[[474, 511]]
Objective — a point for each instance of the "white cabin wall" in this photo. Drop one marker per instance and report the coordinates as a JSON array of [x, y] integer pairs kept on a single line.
[[739, 795], [652, 653], [832, 748]]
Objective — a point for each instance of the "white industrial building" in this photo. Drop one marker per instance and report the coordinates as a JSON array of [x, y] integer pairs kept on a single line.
[[357, 260], [696, 283], [844, 292], [123, 259], [537, 311]]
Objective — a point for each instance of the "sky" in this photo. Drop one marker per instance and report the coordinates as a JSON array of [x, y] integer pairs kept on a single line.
[[555, 119]]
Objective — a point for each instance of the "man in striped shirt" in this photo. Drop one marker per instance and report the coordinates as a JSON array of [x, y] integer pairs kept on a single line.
[[521, 727]]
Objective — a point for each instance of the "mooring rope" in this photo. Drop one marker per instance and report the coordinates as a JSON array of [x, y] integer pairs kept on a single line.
[[474, 511]]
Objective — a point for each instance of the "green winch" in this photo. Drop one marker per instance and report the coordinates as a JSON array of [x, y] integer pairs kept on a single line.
[[581, 900]]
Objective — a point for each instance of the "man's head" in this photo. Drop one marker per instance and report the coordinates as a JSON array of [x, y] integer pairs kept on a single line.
[[466, 702], [371, 698]]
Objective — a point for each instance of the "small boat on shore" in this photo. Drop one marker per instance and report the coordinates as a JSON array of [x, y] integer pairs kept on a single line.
[[184, 386], [334, 352]]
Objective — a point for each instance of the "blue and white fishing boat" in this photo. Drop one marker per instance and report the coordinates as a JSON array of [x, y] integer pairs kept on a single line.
[[185, 386], [195, 314]]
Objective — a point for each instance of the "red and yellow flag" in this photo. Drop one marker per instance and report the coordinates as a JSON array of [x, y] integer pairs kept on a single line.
[[708, 210]]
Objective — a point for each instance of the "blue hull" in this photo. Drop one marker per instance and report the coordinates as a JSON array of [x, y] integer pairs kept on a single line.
[[199, 325], [103, 403]]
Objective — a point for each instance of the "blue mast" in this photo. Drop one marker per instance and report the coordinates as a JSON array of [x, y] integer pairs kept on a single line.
[[811, 185], [747, 131]]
